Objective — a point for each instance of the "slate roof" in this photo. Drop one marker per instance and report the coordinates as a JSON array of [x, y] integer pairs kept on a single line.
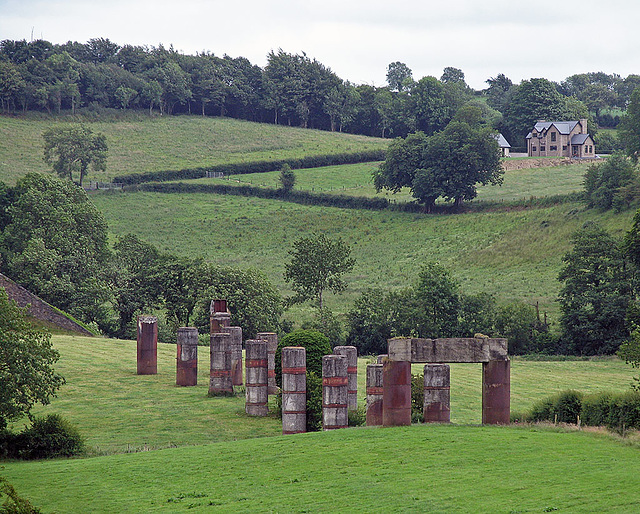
[[579, 139], [502, 142], [564, 127]]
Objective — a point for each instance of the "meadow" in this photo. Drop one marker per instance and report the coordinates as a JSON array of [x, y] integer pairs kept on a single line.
[[209, 456], [139, 143]]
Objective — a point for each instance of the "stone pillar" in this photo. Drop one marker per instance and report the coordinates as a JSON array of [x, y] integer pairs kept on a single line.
[[334, 392], [187, 361], [147, 345], [272, 345], [351, 353], [496, 392], [236, 354], [374, 394], [220, 371], [256, 378], [382, 357], [219, 319], [396, 393], [294, 390], [437, 380]]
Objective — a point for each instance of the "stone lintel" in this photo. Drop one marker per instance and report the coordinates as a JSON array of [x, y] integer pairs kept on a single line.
[[448, 350]]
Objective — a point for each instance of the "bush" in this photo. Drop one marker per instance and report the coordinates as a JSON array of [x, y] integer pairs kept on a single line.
[[358, 417], [596, 409], [314, 402], [287, 178], [417, 398], [14, 504], [316, 344], [624, 411], [564, 407], [48, 437]]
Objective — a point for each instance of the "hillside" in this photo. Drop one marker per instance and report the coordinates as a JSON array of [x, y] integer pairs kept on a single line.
[[139, 143]]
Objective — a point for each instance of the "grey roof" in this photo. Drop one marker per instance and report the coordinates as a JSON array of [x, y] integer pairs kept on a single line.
[[502, 142], [579, 139], [564, 127]]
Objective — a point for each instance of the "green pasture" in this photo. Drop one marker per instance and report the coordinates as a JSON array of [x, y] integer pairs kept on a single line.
[[155, 446], [515, 254], [138, 143]]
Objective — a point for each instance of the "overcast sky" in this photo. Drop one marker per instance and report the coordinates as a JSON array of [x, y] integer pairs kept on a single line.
[[357, 39]]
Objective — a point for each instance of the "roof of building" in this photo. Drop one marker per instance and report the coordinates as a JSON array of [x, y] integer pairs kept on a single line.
[[564, 127], [502, 142], [579, 139]]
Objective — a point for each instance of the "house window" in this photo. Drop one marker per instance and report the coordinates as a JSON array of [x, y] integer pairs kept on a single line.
[[533, 148], [564, 147], [590, 149], [553, 148], [553, 136], [543, 148]]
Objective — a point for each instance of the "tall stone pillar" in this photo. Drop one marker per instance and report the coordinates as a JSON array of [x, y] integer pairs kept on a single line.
[[351, 353], [437, 381], [374, 394], [396, 394], [496, 392], [147, 345], [294, 390], [220, 383], [256, 378], [334, 392], [272, 345], [219, 317], [187, 359], [236, 354]]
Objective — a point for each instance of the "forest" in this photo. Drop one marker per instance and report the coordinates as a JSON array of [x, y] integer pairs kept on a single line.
[[291, 89]]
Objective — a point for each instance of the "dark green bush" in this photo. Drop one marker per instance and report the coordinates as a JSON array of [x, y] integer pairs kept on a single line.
[[563, 407], [14, 504], [314, 402], [417, 398], [624, 411], [358, 417], [48, 437], [316, 344], [596, 409]]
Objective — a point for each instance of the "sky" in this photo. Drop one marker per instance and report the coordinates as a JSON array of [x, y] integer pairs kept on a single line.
[[358, 39]]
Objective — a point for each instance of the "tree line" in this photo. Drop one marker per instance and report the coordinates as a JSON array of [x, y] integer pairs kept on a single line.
[[291, 89]]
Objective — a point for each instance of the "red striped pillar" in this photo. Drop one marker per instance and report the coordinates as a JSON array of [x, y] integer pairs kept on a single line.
[[272, 345], [334, 392], [220, 383], [256, 378], [351, 353], [374, 394], [236, 354], [294, 390]]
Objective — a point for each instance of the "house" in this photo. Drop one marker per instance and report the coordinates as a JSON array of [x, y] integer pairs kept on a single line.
[[503, 144], [560, 139]]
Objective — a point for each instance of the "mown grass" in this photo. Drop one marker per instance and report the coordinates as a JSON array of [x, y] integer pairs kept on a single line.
[[514, 254], [403, 469], [138, 143]]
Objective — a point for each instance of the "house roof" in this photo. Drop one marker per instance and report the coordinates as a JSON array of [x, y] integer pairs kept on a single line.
[[579, 139], [564, 127], [502, 142]]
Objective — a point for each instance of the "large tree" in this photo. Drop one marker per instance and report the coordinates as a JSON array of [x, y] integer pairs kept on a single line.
[[629, 129], [27, 376], [72, 149], [317, 264]]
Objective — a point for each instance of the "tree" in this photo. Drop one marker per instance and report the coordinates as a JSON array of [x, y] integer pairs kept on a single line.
[[317, 264], [398, 76], [73, 148], [287, 178], [629, 128], [595, 294], [369, 323], [604, 181], [26, 359]]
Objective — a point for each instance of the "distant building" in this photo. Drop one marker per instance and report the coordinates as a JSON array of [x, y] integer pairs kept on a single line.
[[560, 139], [504, 145]]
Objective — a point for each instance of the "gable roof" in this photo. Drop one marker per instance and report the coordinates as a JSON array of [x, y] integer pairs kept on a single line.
[[579, 139], [502, 142], [564, 127]]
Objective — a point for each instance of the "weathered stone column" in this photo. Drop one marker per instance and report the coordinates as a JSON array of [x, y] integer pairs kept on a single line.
[[220, 370], [382, 357], [396, 393], [272, 345], [187, 360], [351, 353], [496, 392], [334, 392], [147, 345], [437, 380], [219, 317], [256, 378], [236, 354], [374, 394], [294, 390]]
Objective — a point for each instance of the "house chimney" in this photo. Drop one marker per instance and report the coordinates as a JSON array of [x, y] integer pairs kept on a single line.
[[583, 122]]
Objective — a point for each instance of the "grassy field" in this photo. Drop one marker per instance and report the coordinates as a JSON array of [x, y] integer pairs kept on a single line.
[[204, 466], [514, 254], [138, 143]]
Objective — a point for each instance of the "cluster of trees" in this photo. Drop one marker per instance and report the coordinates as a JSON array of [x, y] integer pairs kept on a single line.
[[291, 89], [54, 242]]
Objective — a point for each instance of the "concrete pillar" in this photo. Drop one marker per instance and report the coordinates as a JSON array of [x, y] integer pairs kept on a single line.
[[294, 390], [396, 393], [437, 380], [256, 378], [334, 392], [187, 360], [219, 319], [147, 345], [236, 354], [374, 394], [272, 345], [220, 370], [496, 392], [382, 357], [351, 353]]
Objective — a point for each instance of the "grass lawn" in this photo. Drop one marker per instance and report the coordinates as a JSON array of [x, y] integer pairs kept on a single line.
[[138, 143]]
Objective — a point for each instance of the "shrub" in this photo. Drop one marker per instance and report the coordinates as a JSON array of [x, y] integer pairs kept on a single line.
[[358, 417], [316, 344], [314, 402], [417, 398], [596, 409], [287, 178], [48, 437], [624, 411], [14, 504], [567, 406]]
